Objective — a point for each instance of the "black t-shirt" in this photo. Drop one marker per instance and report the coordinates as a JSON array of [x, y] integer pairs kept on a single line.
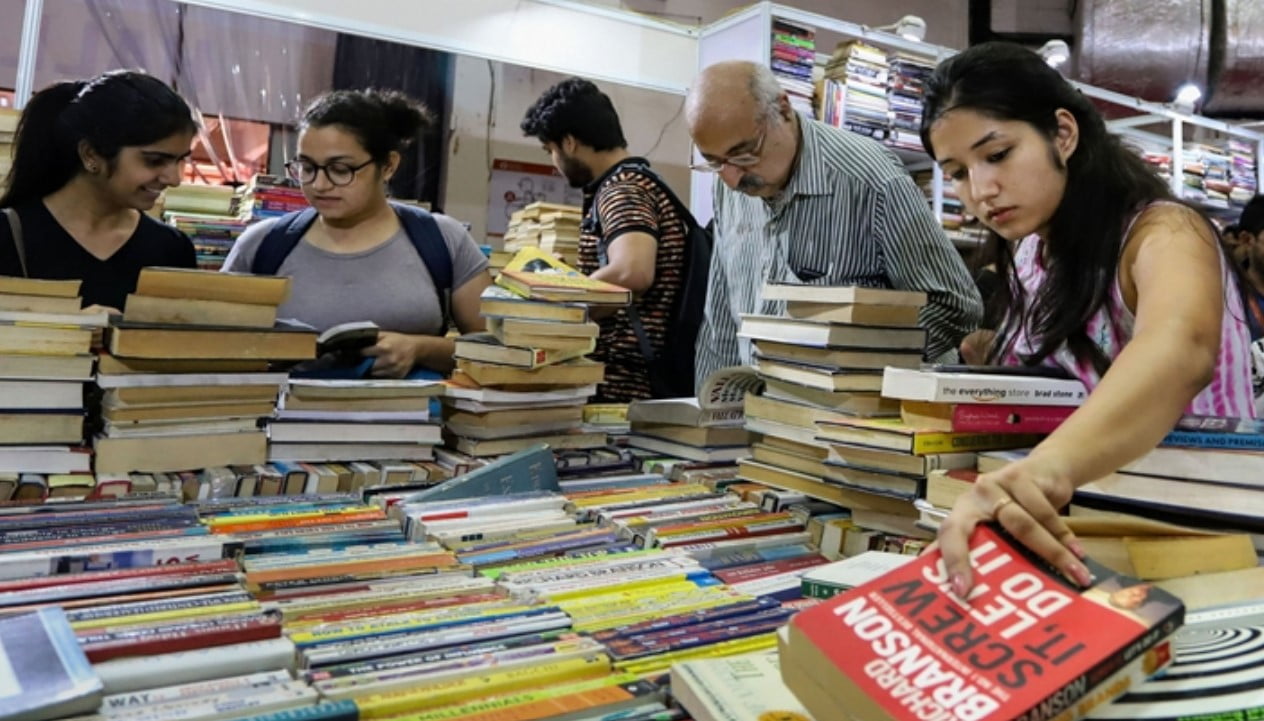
[[51, 254]]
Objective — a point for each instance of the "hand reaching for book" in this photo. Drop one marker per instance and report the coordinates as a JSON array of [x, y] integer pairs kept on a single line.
[[1024, 498], [396, 354]]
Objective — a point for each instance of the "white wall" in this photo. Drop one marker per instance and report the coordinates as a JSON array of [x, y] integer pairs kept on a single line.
[[643, 114]]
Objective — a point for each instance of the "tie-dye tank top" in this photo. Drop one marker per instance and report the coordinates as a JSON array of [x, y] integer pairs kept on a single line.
[[1111, 327]]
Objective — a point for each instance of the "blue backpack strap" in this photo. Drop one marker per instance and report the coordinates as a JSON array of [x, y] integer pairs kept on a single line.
[[281, 240], [424, 233]]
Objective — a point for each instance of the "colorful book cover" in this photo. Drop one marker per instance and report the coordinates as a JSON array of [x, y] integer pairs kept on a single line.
[[1026, 644]]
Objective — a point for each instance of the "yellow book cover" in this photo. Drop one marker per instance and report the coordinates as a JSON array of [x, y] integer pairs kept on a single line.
[[509, 701], [535, 274], [154, 616], [894, 434], [433, 695]]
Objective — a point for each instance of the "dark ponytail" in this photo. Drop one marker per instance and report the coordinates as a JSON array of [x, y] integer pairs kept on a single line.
[[381, 120], [1106, 184], [112, 111]]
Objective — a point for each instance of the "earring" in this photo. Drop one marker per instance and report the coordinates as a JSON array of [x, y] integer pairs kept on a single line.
[[92, 167]]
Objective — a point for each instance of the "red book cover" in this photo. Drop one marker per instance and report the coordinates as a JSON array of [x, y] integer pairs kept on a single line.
[[757, 571], [982, 418], [1026, 644]]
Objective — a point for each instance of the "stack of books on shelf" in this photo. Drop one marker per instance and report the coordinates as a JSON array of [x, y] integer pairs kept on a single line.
[[354, 420], [527, 380], [45, 360], [908, 75], [1242, 174], [853, 93], [705, 429], [551, 227], [218, 201], [963, 229], [792, 62], [186, 381], [8, 128], [213, 236], [270, 196]]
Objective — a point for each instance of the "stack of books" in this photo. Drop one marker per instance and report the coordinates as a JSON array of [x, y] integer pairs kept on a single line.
[[705, 429], [45, 360], [1242, 174], [526, 381], [908, 75], [793, 58], [213, 236], [354, 420], [186, 380], [853, 92], [8, 129], [270, 196], [551, 227]]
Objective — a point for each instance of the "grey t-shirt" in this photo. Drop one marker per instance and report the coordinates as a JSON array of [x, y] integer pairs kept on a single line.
[[388, 284]]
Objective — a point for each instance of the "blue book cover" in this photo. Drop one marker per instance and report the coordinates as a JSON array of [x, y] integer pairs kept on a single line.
[[44, 674], [531, 469], [1216, 432]]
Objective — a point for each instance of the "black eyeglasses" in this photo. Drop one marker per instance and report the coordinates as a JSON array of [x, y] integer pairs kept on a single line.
[[338, 172]]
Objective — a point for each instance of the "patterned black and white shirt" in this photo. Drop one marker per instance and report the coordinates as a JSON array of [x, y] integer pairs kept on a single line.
[[850, 215]]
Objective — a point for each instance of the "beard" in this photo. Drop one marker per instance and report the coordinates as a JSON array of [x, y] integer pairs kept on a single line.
[[577, 174], [751, 184]]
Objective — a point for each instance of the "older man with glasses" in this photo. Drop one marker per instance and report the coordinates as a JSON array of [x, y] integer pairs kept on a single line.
[[799, 201]]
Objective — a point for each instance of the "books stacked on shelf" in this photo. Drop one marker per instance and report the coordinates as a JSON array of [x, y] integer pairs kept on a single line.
[[792, 61], [340, 421], [213, 236], [551, 227], [963, 229], [186, 379], [526, 381], [200, 199], [705, 429], [853, 93], [270, 196], [1160, 160], [1207, 177], [908, 75], [8, 129], [45, 360], [1242, 173], [1089, 646]]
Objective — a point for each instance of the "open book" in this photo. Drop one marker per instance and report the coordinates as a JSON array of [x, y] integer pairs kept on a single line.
[[719, 401]]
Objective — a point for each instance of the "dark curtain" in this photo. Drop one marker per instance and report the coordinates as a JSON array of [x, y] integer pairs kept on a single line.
[[420, 72]]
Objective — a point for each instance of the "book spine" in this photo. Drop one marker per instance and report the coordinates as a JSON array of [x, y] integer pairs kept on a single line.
[[1018, 390], [1228, 441], [980, 418], [1080, 687]]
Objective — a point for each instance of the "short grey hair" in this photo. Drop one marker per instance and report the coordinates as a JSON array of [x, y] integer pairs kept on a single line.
[[766, 91]]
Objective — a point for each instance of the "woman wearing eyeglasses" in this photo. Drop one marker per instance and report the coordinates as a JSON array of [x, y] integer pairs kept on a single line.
[[355, 259]]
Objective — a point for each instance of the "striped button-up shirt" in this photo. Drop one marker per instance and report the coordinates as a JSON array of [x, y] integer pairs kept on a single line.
[[850, 215]]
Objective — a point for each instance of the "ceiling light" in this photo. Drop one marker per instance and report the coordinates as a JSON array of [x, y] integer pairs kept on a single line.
[[1187, 97], [909, 27], [1055, 52]]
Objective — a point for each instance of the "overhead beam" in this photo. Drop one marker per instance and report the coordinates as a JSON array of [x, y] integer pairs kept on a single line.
[[563, 36]]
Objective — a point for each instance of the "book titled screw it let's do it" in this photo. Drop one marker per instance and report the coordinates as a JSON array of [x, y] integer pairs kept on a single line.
[[1026, 644]]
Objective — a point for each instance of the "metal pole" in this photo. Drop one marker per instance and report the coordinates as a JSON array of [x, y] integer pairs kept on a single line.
[[27, 51]]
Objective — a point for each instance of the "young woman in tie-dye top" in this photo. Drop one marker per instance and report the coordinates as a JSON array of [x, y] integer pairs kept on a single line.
[[1103, 274]]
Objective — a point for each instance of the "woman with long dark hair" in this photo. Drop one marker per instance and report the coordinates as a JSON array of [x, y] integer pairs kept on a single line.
[[1103, 274], [90, 157], [356, 257]]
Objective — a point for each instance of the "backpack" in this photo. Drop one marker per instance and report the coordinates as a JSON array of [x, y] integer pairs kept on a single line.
[[671, 372], [420, 227]]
